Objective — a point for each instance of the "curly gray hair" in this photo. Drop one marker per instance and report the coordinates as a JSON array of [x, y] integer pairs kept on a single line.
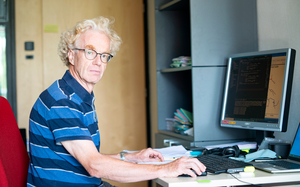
[[68, 39]]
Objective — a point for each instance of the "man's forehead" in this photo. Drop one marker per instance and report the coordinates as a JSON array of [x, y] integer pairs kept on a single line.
[[95, 40], [86, 39]]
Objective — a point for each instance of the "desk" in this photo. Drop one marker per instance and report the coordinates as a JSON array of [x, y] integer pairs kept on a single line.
[[224, 179]]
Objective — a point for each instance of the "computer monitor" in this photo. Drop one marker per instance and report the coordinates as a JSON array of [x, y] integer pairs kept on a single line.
[[258, 90]]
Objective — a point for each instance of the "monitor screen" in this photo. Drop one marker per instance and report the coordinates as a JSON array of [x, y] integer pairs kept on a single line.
[[258, 90]]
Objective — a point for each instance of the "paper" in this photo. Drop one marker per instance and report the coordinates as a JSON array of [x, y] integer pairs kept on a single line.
[[50, 28], [169, 154], [264, 153], [173, 152], [241, 145]]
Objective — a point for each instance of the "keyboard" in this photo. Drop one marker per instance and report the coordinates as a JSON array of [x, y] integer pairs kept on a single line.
[[218, 164]]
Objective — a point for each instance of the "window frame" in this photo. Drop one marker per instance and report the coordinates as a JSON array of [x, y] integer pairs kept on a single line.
[[9, 24]]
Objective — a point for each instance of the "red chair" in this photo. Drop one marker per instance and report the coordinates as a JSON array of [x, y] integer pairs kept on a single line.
[[14, 158]]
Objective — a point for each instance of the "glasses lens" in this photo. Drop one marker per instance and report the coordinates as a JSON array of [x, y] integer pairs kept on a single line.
[[105, 57], [90, 54]]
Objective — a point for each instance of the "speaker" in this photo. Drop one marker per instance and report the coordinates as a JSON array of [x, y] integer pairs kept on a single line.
[[282, 149]]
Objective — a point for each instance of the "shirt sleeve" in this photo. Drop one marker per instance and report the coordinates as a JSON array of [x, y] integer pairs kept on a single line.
[[67, 123]]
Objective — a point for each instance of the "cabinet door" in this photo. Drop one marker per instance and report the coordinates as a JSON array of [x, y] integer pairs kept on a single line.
[[221, 28]]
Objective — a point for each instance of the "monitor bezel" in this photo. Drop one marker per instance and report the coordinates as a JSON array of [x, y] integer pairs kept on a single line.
[[281, 126]]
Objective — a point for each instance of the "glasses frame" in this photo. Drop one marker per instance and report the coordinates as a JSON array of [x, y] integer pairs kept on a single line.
[[96, 54]]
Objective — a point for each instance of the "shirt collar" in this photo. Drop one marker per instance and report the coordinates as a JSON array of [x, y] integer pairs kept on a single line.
[[78, 89]]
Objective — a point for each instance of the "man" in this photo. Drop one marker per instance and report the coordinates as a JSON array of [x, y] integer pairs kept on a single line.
[[64, 135]]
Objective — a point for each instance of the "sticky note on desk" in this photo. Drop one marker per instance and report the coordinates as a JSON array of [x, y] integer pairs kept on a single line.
[[249, 169], [203, 181]]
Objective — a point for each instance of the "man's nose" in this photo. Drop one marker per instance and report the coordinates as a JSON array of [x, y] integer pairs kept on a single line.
[[97, 60]]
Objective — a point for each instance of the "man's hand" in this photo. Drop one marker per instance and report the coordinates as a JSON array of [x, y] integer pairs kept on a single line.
[[184, 165], [145, 155], [112, 168]]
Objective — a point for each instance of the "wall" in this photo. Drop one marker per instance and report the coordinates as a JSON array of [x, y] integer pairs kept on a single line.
[[279, 27], [120, 95], [28, 18]]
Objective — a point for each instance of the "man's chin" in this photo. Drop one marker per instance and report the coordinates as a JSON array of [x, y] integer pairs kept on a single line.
[[94, 81]]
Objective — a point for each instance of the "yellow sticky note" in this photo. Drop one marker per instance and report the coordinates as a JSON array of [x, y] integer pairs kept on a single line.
[[50, 28], [249, 169], [203, 181]]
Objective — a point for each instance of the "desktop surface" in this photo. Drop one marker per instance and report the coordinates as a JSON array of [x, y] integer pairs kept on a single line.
[[224, 179]]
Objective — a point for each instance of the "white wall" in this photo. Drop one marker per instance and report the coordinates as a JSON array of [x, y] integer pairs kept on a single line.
[[279, 27]]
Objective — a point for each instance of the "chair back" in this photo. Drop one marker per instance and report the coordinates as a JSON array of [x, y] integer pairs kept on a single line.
[[14, 158], [3, 179]]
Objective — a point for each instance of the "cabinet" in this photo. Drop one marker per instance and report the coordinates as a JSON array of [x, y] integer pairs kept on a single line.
[[208, 31]]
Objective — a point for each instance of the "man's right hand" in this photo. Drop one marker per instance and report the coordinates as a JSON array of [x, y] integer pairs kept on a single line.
[[184, 165]]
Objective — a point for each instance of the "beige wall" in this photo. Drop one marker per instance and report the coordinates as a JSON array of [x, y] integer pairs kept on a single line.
[[29, 72], [279, 27], [120, 95]]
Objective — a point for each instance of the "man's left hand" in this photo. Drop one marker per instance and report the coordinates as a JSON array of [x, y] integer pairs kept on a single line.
[[145, 155]]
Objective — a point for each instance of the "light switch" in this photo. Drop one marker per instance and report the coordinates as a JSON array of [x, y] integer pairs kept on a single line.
[[29, 46]]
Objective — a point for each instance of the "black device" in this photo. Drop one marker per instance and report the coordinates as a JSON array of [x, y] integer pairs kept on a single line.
[[218, 164], [258, 90], [29, 46], [282, 149], [186, 175], [232, 151]]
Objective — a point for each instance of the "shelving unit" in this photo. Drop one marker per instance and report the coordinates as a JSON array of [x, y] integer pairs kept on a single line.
[[208, 31]]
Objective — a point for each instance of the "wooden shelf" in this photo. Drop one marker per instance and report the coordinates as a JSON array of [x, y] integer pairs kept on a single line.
[[168, 70], [170, 133]]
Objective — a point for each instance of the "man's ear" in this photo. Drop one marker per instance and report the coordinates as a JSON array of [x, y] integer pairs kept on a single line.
[[71, 55]]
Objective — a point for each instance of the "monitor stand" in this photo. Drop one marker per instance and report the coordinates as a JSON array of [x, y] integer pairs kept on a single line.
[[260, 136]]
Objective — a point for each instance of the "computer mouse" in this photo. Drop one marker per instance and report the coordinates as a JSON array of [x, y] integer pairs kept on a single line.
[[186, 175]]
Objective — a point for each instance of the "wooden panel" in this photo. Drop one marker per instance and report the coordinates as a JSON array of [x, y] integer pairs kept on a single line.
[[64, 14], [29, 72], [120, 95], [122, 121], [152, 69]]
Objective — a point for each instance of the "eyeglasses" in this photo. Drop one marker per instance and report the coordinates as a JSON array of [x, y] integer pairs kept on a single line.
[[92, 54]]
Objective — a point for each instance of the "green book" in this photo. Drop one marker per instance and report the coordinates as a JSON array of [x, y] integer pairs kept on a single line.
[[187, 114]]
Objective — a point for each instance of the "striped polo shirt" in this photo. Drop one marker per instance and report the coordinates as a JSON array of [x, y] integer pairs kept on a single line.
[[64, 111]]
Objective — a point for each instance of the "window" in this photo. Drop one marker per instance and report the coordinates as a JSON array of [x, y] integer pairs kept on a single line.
[[8, 53], [3, 74]]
